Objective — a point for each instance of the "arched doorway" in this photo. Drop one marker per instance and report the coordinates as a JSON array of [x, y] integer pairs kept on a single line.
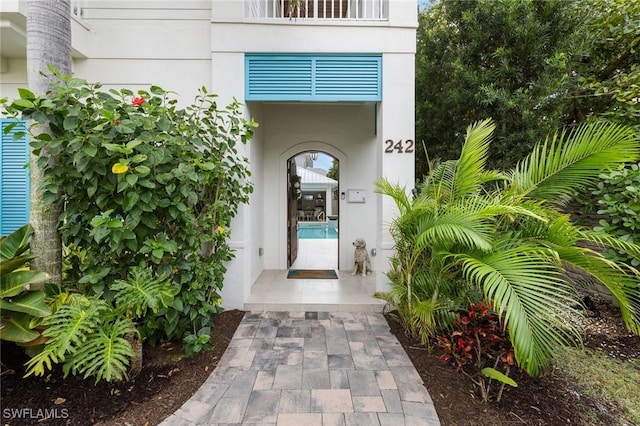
[[312, 211]]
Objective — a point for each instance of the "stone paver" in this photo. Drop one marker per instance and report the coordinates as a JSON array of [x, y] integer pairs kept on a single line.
[[311, 368]]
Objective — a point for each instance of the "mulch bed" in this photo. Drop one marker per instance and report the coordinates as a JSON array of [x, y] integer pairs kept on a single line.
[[165, 383]]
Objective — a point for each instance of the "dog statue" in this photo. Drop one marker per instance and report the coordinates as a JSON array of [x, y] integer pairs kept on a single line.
[[362, 261]]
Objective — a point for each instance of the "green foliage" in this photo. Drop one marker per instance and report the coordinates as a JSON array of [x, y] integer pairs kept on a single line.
[[105, 355], [505, 59], [196, 342], [143, 181], [473, 233], [92, 337], [142, 292], [618, 195], [533, 66], [608, 75], [334, 171], [19, 306], [479, 340], [67, 330]]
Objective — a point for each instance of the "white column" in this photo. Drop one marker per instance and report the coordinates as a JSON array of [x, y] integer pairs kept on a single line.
[[395, 123]]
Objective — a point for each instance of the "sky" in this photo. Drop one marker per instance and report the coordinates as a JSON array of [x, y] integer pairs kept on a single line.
[[324, 161]]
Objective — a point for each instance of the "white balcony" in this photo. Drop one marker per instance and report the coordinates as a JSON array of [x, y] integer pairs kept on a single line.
[[359, 10]]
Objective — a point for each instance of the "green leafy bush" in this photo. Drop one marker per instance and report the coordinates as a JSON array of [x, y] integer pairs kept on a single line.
[[618, 195], [143, 181], [93, 337]]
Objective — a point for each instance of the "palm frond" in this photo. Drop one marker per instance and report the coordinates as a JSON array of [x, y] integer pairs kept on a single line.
[[470, 167], [606, 240], [528, 291], [397, 193], [426, 317], [567, 162], [623, 285]]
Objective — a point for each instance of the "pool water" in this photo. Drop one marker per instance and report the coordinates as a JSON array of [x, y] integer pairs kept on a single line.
[[307, 231]]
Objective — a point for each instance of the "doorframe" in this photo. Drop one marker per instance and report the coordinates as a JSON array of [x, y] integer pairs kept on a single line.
[[282, 184]]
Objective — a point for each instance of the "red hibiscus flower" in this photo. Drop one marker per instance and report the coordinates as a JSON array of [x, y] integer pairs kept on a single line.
[[138, 101]]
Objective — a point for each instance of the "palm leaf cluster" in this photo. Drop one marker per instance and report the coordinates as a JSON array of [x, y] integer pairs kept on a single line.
[[473, 233]]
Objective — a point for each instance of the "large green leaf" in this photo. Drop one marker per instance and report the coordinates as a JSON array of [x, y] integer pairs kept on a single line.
[[10, 265], [105, 354], [69, 325], [31, 303], [15, 328], [15, 282], [492, 373], [15, 243]]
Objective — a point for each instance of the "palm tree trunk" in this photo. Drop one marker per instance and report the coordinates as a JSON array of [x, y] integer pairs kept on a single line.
[[48, 43]]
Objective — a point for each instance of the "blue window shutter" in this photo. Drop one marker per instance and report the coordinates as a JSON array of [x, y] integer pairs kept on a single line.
[[355, 78], [279, 78], [14, 178], [313, 78]]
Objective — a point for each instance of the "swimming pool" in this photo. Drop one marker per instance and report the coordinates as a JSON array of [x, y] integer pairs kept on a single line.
[[323, 231]]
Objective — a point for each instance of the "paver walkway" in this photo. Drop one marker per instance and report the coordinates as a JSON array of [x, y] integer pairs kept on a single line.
[[311, 368]]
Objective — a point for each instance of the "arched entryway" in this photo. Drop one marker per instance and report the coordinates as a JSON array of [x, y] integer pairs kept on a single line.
[[312, 211]]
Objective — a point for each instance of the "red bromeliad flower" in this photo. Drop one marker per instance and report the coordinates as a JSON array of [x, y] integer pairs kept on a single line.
[[138, 101]]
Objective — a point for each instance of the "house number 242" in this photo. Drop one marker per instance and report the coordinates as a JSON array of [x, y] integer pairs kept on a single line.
[[401, 146]]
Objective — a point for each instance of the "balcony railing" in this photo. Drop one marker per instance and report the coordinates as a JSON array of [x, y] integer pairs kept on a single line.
[[364, 10], [76, 8]]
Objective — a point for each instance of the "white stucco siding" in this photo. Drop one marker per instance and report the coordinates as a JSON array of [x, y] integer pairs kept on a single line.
[[135, 74], [149, 39], [13, 76], [231, 37], [257, 198], [396, 123]]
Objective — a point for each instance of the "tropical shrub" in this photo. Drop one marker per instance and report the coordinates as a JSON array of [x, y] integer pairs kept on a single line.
[[472, 233], [618, 195], [479, 347], [19, 305], [93, 337], [143, 181]]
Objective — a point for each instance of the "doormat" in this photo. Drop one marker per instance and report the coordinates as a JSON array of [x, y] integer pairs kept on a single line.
[[313, 274]]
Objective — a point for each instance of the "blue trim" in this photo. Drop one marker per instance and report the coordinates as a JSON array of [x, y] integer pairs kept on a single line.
[[14, 177], [313, 78]]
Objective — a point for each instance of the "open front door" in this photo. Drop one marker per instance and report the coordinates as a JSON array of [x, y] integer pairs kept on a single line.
[[292, 212]]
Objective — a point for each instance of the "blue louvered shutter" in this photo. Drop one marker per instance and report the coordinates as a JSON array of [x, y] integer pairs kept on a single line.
[[352, 78], [313, 78], [14, 178]]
